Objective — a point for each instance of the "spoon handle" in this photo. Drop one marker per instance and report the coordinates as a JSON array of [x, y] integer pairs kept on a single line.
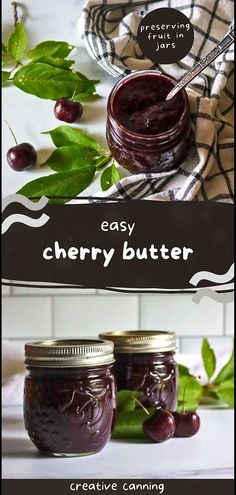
[[220, 48]]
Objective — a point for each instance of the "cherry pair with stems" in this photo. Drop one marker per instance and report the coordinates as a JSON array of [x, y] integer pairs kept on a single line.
[[24, 156], [165, 424]]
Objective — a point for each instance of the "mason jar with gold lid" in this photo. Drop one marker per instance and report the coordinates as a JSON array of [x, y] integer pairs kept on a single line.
[[145, 363], [69, 395]]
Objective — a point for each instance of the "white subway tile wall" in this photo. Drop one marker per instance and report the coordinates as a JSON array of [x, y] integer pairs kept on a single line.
[[193, 345], [25, 291], [26, 317], [178, 312], [6, 290], [89, 315], [229, 318], [45, 313]]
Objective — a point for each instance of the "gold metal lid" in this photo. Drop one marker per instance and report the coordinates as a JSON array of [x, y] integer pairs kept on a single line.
[[137, 341], [69, 353]]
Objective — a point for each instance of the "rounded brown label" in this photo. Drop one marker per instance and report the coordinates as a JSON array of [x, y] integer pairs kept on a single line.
[[165, 35]]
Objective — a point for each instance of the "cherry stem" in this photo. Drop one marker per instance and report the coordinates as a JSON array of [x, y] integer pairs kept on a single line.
[[141, 405], [14, 68], [104, 160], [76, 86], [15, 14], [185, 388], [12, 133]]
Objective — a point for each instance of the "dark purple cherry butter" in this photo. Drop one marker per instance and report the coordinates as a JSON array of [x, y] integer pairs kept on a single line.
[[145, 363], [69, 396], [145, 132]]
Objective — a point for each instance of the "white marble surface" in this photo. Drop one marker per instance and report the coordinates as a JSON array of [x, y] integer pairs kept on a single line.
[[207, 455], [28, 115]]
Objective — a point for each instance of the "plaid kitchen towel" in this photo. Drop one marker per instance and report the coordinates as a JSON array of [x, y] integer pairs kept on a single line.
[[109, 30]]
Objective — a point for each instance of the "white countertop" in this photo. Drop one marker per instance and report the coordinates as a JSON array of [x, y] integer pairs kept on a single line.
[[28, 115], [207, 455]]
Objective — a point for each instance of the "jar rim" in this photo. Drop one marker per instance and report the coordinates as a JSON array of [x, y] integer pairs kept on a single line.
[[147, 137], [141, 341], [69, 353]]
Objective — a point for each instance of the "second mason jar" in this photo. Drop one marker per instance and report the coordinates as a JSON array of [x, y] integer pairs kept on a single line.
[[146, 133], [145, 362]]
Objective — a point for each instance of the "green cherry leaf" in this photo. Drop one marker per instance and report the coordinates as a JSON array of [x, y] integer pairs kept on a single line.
[[5, 76], [129, 424], [190, 405], [4, 49], [6, 57], [209, 358], [225, 392], [90, 91], [189, 392], [48, 82], [59, 49], [56, 62], [71, 157], [45, 81], [103, 160], [227, 372], [110, 176], [183, 370], [65, 135], [62, 184], [126, 399], [17, 42], [88, 94]]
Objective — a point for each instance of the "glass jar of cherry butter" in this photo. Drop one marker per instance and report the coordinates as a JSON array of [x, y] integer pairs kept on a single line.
[[145, 363], [146, 133], [69, 396]]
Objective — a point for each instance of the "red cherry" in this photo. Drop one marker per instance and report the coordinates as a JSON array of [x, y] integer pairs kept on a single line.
[[21, 157], [68, 111], [160, 426], [187, 423]]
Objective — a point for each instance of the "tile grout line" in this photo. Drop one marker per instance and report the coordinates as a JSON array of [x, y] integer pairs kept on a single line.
[[209, 337], [40, 294], [52, 317], [139, 315], [224, 317]]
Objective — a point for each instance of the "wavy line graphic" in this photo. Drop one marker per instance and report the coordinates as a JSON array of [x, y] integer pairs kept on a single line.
[[18, 198], [215, 296], [31, 222], [212, 277]]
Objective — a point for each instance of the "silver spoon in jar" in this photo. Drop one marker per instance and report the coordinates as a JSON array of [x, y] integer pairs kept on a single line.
[[191, 74]]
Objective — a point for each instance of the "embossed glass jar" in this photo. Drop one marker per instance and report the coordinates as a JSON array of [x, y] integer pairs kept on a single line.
[[145, 133], [145, 362], [69, 396]]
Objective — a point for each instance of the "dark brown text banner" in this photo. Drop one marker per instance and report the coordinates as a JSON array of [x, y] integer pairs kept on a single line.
[[128, 244]]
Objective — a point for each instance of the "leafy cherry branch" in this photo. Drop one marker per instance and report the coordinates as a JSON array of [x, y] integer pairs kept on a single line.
[[45, 70]]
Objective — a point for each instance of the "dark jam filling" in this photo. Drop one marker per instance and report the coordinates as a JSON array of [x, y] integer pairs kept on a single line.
[[70, 414], [139, 105], [153, 375]]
